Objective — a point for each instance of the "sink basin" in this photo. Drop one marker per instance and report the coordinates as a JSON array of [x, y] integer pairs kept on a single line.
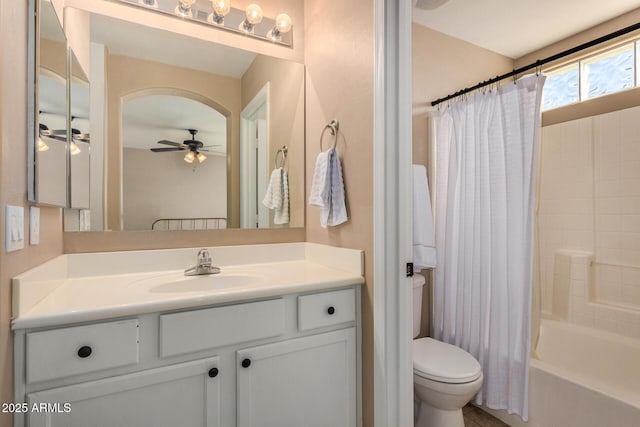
[[177, 282]]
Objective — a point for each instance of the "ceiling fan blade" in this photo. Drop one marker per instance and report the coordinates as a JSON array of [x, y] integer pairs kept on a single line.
[[175, 144], [214, 145], [212, 151], [163, 150]]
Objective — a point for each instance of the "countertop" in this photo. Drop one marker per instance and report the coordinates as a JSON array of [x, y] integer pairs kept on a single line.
[[44, 298]]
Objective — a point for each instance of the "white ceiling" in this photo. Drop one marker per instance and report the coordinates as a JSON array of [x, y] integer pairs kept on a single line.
[[515, 28], [144, 122], [138, 41]]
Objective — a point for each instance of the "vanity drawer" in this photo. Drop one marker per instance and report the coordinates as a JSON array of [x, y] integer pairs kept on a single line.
[[326, 309], [198, 330], [71, 351]]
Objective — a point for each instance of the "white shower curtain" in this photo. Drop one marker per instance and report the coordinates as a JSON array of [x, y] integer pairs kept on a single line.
[[487, 149]]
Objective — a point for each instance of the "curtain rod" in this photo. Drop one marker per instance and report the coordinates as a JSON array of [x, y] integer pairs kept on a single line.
[[541, 62]]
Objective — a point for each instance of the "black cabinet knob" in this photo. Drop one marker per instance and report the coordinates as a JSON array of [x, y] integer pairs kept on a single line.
[[331, 310], [213, 372], [84, 351], [246, 363]]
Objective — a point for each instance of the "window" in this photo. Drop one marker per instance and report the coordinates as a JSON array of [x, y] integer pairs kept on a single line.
[[611, 71]]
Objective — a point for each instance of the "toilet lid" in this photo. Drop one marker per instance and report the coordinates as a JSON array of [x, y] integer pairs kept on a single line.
[[442, 362]]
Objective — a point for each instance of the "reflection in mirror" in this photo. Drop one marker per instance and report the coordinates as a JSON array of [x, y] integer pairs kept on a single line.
[[50, 146], [174, 164], [79, 152], [158, 85]]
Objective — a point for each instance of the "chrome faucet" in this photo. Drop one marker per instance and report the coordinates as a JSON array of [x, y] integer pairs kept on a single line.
[[203, 265]]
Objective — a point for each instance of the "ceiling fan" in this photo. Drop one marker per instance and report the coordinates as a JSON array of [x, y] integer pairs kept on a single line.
[[193, 147]]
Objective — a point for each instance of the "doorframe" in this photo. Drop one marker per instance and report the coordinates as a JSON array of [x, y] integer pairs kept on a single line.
[[393, 214], [248, 174]]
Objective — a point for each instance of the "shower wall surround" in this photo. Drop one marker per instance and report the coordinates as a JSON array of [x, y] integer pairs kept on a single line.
[[590, 204]]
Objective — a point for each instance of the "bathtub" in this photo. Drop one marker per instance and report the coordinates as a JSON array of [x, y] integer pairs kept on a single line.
[[581, 377]]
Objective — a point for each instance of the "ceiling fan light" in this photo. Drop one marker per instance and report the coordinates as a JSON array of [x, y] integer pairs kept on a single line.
[[189, 157], [73, 147], [42, 146], [201, 157]]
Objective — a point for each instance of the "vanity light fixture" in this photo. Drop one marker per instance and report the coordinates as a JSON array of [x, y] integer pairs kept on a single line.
[[283, 25], [183, 8], [189, 157], [201, 157], [221, 15], [254, 17], [221, 8]]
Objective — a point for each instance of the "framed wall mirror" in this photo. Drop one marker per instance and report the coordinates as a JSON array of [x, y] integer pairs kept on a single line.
[[174, 126], [48, 105]]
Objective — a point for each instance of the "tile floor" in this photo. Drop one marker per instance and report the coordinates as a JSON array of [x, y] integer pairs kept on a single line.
[[474, 417]]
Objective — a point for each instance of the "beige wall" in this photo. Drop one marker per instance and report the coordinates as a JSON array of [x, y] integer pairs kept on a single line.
[[339, 61], [286, 121], [442, 65], [122, 81], [162, 185], [77, 29], [13, 178]]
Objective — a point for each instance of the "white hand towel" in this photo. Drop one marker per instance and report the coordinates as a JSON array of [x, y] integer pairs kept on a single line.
[[424, 243], [273, 196], [281, 214], [319, 186], [327, 189], [277, 196]]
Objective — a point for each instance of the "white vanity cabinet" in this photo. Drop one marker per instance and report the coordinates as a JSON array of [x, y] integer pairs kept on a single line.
[[184, 395], [299, 382], [288, 361]]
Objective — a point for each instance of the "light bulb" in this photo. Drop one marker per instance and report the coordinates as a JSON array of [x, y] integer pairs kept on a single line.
[[73, 147], [42, 146], [189, 157], [184, 8], [201, 157], [149, 3], [283, 23], [254, 14], [221, 7]]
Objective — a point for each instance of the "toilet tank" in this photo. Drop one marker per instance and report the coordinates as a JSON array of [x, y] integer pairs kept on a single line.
[[418, 283]]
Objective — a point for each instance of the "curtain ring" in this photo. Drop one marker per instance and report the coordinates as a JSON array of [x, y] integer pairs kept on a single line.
[[333, 127]]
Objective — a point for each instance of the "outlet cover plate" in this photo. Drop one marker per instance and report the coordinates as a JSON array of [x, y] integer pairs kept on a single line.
[[34, 225]]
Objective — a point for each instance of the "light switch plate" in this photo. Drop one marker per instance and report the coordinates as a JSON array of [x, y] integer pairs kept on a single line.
[[14, 228], [34, 225]]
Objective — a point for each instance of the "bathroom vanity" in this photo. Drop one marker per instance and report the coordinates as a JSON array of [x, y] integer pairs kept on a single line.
[[106, 340]]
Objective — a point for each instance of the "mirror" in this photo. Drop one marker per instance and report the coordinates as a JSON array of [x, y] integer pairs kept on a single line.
[[47, 168], [79, 147], [192, 130]]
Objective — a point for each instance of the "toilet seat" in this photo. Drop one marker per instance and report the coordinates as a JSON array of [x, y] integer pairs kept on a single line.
[[438, 361]]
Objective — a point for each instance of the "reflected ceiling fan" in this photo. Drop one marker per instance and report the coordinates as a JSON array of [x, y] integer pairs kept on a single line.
[[193, 147]]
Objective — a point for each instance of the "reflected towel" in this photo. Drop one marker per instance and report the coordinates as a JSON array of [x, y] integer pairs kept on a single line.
[[327, 189], [424, 250], [277, 196]]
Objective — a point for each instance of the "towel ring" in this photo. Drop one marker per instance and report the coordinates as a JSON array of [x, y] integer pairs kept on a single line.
[[282, 151], [333, 127]]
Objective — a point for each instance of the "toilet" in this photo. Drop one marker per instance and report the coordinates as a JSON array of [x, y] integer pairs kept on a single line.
[[445, 377]]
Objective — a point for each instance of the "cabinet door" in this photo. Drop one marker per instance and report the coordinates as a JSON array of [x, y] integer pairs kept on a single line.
[[307, 382], [184, 395]]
